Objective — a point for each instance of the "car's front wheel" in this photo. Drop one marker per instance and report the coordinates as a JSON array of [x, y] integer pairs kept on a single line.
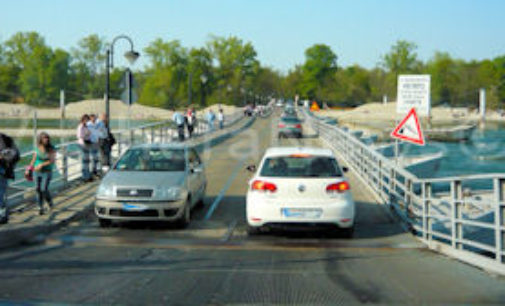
[[104, 223]]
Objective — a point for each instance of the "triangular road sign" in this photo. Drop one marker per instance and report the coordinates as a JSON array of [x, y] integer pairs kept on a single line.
[[409, 129]]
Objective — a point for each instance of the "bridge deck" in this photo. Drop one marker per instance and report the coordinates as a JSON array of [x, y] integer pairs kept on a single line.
[[214, 261]]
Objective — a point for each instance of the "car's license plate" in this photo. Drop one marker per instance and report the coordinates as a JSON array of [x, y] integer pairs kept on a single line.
[[134, 207], [310, 213]]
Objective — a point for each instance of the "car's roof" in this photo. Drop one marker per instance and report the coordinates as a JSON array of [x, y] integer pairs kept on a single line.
[[173, 145], [284, 151]]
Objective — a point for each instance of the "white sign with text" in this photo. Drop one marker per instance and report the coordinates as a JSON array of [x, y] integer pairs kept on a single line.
[[413, 92]]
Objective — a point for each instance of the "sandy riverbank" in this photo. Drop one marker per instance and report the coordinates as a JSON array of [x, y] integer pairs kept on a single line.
[[377, 118], [75, 110]]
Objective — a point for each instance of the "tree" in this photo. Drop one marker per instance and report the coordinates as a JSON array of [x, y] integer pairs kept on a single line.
[[200, 66], [320, 63], [237, 67], [88, 66], [166, 76], [28, 52], [444, 78], [402, 58]]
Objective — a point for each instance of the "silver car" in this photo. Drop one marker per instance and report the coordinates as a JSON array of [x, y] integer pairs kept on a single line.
[[152, 182]]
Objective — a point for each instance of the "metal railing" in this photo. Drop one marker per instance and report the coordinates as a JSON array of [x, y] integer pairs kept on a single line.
[[68, 170], [461, 216]]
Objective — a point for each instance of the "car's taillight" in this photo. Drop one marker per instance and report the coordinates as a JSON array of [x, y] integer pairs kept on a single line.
[[263, 186], [281, 125], [298, 126], [338, 187]]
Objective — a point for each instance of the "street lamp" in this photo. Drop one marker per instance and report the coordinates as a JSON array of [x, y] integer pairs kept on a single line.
[[131, 56]]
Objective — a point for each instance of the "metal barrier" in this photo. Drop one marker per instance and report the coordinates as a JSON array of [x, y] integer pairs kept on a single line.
[[462, 216], [68, 159]]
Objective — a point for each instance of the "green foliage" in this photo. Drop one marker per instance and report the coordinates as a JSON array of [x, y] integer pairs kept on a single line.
[[226, 71]]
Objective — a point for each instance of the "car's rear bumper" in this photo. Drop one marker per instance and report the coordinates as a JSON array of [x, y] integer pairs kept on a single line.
[[140, 211], [259, 213]]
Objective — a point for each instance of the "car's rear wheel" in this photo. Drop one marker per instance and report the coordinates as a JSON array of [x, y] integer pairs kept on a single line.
[[185, 218], [104, 223], [253, 230], [348, 233]]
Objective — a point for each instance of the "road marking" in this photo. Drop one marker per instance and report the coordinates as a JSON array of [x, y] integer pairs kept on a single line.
[[236, 170], [230, 230], [221, 194]]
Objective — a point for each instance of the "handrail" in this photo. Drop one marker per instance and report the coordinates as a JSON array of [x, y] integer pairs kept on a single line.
[[454, 223], [68, 162]]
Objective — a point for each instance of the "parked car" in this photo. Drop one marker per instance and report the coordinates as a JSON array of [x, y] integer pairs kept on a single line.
[[299, 187], [161, 182], [289, 126]]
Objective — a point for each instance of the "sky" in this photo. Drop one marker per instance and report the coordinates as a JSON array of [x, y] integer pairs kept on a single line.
[[358, 31]]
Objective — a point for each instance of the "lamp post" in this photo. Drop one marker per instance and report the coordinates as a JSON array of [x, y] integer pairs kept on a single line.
[[203, 79], [131, 56]]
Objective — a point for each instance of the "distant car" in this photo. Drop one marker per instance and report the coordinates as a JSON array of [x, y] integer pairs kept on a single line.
[[160, 182], [299, 187], [279, 103], [289, 112], [289, 126]]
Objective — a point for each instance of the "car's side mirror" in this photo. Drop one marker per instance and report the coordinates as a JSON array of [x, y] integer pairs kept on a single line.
[[251, 168], [345, 169]]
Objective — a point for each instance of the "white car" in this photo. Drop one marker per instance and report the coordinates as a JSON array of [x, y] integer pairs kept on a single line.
[[299, 187]]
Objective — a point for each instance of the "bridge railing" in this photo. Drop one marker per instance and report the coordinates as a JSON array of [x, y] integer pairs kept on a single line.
[[461, 216], [67, 170]]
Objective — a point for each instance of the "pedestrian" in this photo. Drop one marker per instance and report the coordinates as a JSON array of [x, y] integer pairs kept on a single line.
[[220, 118], [106, 141], [9, 156], [178, 118], [42, 163], [190, 121], [211, 117], [83, 138], [95, 135]]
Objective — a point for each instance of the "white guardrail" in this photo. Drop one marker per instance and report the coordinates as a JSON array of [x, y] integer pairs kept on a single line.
[[461, 216], [68, 159]]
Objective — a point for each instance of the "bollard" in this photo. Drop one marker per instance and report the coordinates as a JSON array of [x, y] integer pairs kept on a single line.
[[456, 214], [152, 135]]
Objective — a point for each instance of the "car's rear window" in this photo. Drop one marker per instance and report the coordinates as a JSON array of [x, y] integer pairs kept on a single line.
[[152, 159], [301, 166], [290, 120]]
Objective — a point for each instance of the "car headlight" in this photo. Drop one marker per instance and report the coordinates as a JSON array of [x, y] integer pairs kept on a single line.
[[174, 193], [171, 193], [105, 191]]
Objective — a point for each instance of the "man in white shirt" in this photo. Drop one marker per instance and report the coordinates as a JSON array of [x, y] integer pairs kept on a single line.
[[95, 135], [220, 118], [104, 144], [178, 118]]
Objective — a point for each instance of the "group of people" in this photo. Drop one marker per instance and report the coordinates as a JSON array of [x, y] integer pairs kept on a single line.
[[95, 140], [189, 121]]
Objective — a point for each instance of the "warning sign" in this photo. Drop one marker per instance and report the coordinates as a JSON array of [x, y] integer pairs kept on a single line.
[[409, 129]]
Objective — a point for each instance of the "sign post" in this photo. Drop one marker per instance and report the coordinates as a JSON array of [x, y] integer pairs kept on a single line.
[[413, 99]]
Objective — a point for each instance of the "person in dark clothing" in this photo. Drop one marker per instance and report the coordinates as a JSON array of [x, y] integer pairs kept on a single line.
[[9, 156]]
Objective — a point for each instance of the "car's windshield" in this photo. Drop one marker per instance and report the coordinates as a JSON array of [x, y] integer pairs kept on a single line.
[[152, 159], [304, 166]]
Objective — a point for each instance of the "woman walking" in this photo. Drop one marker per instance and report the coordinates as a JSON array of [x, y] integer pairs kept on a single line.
[[84, 139], [42, 165]]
